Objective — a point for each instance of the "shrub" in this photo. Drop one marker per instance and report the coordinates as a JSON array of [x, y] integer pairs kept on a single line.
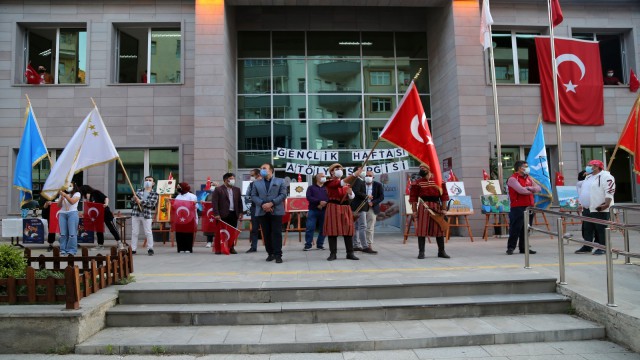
[[12, 263]]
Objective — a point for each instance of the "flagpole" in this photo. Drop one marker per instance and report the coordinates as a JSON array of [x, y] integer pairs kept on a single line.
[[378, 140], [624, 130], [555, 88], [495, 111]]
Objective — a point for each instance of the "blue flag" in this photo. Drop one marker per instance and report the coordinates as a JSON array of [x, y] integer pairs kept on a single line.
[[32, 151], [539, 169]]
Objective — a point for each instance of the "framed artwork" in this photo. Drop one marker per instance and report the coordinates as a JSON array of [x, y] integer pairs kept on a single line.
[[165, 187], [567, 197], [296, 204], [164, 208], [495, 204], [455, 188], [460, 205], [490, 187], [298, 189]]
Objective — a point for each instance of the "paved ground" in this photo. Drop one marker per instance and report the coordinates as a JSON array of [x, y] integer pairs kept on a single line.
[[585, 275]]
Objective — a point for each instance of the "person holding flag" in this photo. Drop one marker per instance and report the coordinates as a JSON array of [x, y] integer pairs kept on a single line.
[[338, 218], [426, 194], [539, 169], [143, 206], [184, 240], [90, 194], [69, 219], [521, 191], [227, 206]]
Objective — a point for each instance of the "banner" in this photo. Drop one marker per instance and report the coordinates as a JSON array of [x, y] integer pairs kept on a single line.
[[376, 169], [379, 154], [327, 156]]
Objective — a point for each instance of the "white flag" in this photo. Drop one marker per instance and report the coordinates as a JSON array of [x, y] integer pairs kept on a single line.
[[485, 22], [90, 146]]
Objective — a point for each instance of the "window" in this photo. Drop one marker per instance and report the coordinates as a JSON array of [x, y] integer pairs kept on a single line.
[[380, 104], [515, 57], [380, 78], [144, 50], [611, 52], [60, 52], [139, 163]]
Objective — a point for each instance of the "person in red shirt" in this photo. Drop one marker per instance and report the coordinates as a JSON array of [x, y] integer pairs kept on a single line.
[[425, 193], [338, 218], [611, 79], [521, 190]]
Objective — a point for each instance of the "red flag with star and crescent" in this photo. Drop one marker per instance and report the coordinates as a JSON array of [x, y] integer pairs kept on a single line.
[[183, 216], [408, 129], [54, 226], [209, 222], [580, 84], [228, 236], [93, 216], [32, 75]]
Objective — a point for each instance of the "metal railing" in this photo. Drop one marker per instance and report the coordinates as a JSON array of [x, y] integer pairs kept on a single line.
[[609, 251]]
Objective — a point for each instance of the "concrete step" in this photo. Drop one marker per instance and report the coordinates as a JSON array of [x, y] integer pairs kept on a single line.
[[274, 291], [311, 312], [336, 337]]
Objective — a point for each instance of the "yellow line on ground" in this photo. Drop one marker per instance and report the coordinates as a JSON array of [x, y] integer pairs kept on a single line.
[[383, 270]]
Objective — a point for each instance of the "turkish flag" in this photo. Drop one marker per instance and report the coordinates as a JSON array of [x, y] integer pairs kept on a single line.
[[183, 216], [54, 227], [556, 13], [485, 176], [227, 235], [32, 75], [407, 128], [93, 217], [407, 190], [580, 84], [629, 137], [452, 176], [209, 222], [634, 84]]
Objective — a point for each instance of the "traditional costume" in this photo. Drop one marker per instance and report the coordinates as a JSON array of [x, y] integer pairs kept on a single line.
[[338, 219]]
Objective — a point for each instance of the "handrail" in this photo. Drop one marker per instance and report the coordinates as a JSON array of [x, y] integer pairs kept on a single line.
[[607, 247], [625, 234]]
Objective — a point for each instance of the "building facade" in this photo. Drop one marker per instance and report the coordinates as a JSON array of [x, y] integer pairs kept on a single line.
[[197, 88]]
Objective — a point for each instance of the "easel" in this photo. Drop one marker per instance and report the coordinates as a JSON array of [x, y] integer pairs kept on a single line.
[[456, 216], [570, 221], [499, 220], [298, 227], [546, 222], [162, 229]]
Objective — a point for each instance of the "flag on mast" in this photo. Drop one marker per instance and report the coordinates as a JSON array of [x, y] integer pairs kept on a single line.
[[539, 169], [556, 13], [32, 151], [486, 20], [629, 137], [90, 146]]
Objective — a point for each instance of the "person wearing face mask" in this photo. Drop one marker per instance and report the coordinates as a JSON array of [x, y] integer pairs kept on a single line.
[[68, 219], [184, 240], [359, 206], [595, 196], [521, 190], [227, 206], [610, 79], [434, 196], [255, 225], [268, 194], [45, 77], [375, 196], [93, 195], [318, 199], [338, 216], [143, 207]]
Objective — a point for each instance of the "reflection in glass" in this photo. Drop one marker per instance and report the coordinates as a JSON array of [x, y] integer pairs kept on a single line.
[[334, 76], [527, 59], [372, 130], [289, 107], [503, 57], [42, 50], [377, 44], [290, 134], [288, 44], [333, 43], [254, 135], [379, 76], [379, 106], [254, 76], [133, 161], [253, 44], [163, 162], [165, 61], [335, 134], [254, 107], [73, 56], [252, 160], [413, 45], [426, 104], [407, 69], [335, 107], [288, 76]]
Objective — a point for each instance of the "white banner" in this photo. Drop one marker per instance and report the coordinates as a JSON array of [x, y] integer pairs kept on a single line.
[[377, 169], [379, 154], [328, 156]]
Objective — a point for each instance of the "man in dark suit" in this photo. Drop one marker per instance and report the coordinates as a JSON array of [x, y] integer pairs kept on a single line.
[[375, 195], [227, 206], [269, 194], [360, 207]]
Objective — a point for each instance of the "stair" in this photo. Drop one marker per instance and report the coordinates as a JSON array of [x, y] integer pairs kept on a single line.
[[327, 316]]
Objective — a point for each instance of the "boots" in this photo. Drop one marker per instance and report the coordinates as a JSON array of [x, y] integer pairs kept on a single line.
[[421, 241], [441, 252], [333, 247], [348, 244]]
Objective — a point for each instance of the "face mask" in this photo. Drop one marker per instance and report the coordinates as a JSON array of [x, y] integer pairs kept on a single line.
[[148, 184], [609, 74], [368, 179], [588, 169], [232, 182], [338, 173], [252, 179], [69, 188], [526, 170], [263, 172], [322, 180], [422, 173]]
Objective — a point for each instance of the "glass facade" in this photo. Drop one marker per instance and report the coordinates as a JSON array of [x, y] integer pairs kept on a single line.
[[149, 55], [322, 90]]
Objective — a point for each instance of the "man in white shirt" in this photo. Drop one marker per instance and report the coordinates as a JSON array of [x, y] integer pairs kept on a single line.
[[596, 196]]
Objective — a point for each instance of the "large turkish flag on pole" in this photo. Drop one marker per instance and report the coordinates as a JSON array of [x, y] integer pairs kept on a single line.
[[93, 218], [580, 84], [183, 216], [629, 141], [407, 128]]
